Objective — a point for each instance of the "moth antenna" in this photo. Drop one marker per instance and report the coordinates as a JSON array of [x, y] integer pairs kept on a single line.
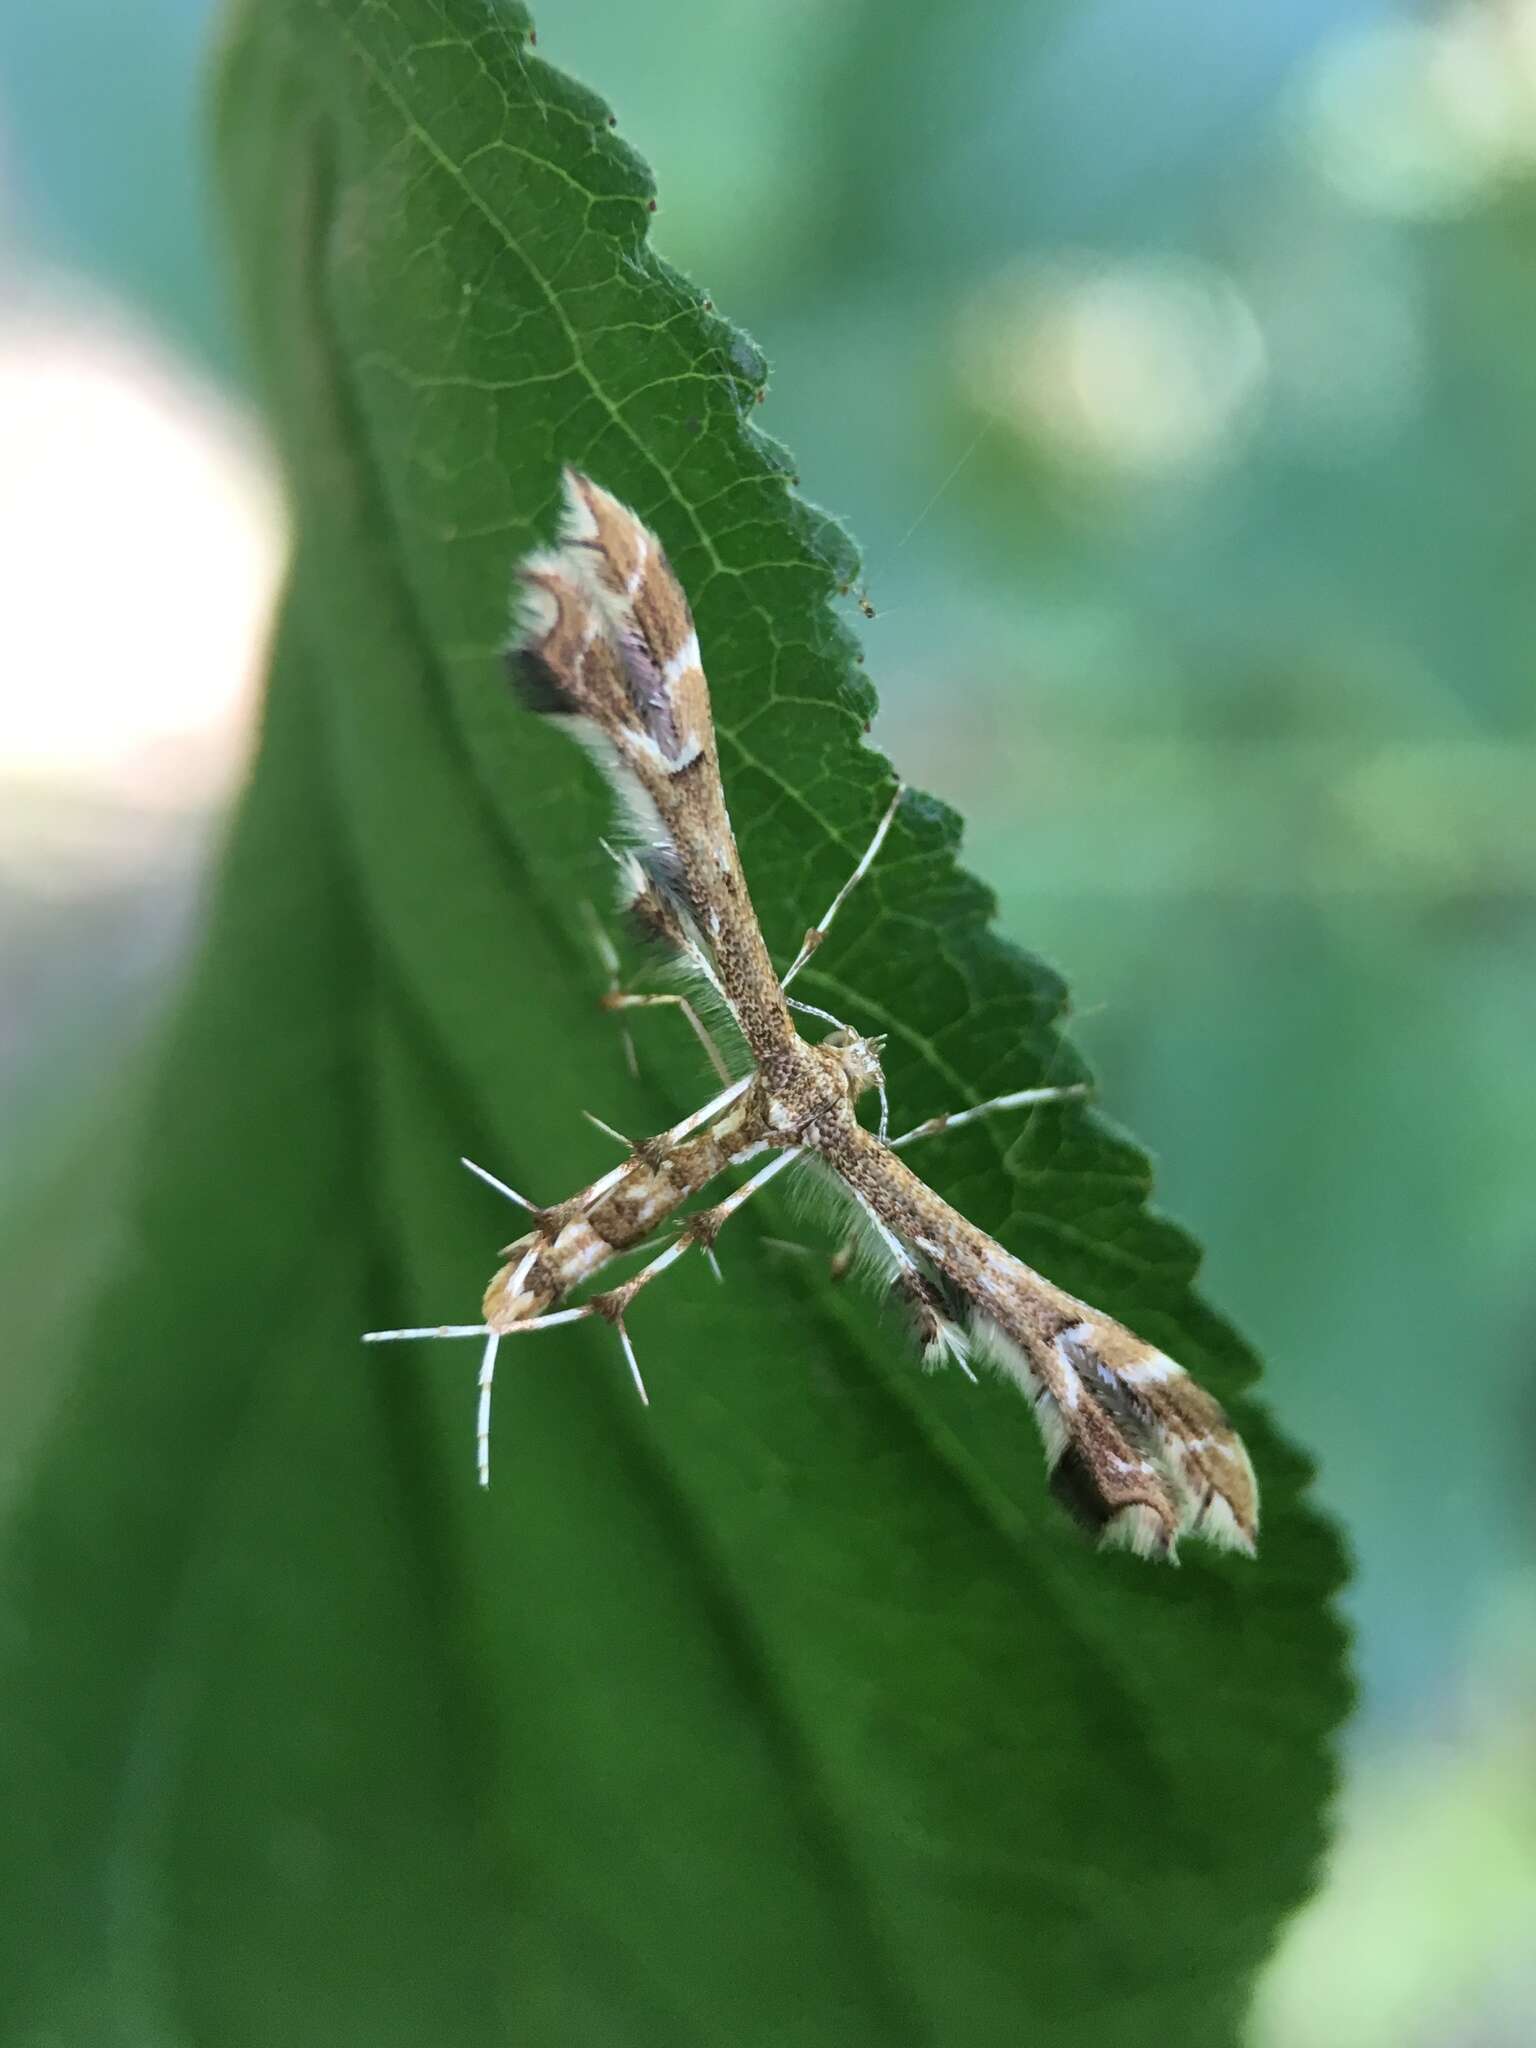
[[810, 1010]]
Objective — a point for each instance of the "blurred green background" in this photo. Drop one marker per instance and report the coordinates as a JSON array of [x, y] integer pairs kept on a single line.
[[1174, 367]]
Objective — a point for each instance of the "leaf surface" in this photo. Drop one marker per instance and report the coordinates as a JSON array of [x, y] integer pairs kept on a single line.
[[789, 1710]]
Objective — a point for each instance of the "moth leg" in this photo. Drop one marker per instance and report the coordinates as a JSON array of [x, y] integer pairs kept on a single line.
[[428, 1330], [633, 1363], [616, 997], [818, 932], [483, 1410], [1021, 1098], [501, 1188], [487, 1375], [621, 999], [607, 953], [608, 1131], [668, 1139], [702, 1228], [838, 1264], [487, 1378]]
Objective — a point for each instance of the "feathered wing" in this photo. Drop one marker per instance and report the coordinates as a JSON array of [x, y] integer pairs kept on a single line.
[[1137, 1449], [605, 640]]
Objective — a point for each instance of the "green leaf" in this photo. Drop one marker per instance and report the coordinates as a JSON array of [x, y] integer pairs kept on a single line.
[[788, 1710]]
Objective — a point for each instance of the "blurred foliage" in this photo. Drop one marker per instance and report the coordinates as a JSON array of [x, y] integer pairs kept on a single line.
[[788, 1710]]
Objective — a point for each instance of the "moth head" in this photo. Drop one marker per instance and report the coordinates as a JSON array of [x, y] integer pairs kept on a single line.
[[859, 1060]]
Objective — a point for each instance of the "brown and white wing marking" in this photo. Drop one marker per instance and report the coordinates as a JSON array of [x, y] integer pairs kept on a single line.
[[1137, 1449], [605, 640]]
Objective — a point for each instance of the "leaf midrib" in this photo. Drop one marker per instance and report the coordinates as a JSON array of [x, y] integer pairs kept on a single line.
[[830, 1843]]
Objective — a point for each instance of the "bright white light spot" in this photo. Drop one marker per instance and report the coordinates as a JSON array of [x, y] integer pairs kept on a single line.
[[1422, 119], [1147, 367], [140, 538]]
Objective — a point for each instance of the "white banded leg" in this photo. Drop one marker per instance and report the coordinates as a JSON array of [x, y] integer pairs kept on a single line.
[[483, 1408], [614, 1304], [426, 1330], [1021, 1098], [487, 1378], [492, 1340], [611, 1306], [608, 1131], [701, 1228], [501, 1187], [818, 932]]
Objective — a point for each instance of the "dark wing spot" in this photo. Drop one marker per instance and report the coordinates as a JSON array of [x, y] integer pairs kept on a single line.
[[1073, 1487], [536, 683]]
